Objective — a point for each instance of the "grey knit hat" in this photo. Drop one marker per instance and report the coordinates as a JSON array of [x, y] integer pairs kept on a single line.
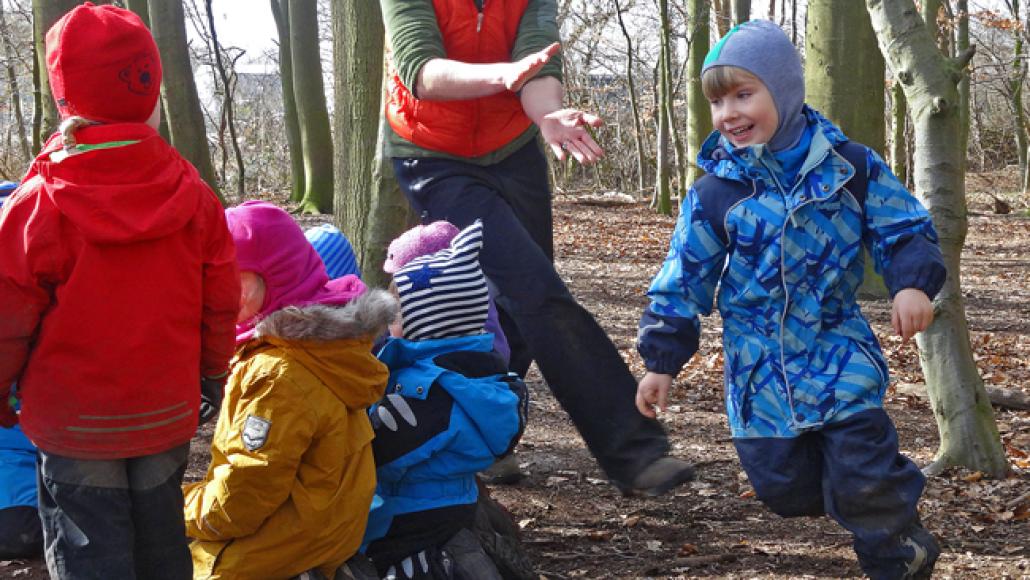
[[761, 48], [444, 295]]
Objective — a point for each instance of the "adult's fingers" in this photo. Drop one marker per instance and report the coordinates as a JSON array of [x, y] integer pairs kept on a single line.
[[556, 148], [578, 152], [592, 146]]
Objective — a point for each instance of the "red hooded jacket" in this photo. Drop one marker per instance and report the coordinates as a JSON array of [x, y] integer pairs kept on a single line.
[[118, 288]]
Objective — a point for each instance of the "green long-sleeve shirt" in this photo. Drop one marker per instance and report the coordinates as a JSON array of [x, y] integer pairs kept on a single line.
[[414, 38]]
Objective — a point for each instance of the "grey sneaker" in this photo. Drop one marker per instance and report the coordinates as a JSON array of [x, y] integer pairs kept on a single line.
[[505, 471], [662, 475]]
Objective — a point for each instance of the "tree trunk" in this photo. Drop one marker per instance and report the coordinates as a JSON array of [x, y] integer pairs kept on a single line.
[[638, 130], [358, 92], [179, 89], [142, 9], [312, 114], [37, 99], [227, 108], [281, 13], [969, 435], [44, 14], [663, 186], [741, 11], [699, 118], [15, 93], [847, 90], [723, 12], [1016, 87]]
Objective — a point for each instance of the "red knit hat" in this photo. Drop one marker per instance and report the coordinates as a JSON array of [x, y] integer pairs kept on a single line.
[[103, 65]]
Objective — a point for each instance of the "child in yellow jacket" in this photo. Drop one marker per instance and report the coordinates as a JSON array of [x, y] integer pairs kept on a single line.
[[292, 475]]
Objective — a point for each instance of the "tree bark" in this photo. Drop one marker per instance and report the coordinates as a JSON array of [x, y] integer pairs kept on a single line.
[[179, 89], [12, 86], [663, 178], [723, 12], [227, 108], [969, 435], [847, 90], [358, 80], [741, 11], [312, 114], [899, 118], [638, 130], [281, 13], [142, 9], [699, 118], [44, 14]]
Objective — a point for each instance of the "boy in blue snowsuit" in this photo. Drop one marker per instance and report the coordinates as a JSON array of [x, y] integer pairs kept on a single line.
[[451, 410], [779, 224]]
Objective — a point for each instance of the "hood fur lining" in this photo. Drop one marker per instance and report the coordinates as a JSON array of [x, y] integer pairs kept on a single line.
[[367, 315]]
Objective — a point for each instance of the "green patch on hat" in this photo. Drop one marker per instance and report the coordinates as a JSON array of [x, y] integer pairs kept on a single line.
[[713, 55]]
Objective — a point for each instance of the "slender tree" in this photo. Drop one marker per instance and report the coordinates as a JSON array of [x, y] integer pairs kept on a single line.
[[142, 9], [899, 120], [227, 104], [969, 435], [1018, 77], [699, 118], [638, 130], [722, 10], [847, 90], [179, 89], [742, 11], [312, 113], [44, 14], [663, 179], [281, 13]]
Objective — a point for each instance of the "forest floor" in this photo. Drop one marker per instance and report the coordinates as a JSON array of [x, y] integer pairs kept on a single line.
[[576, 525]]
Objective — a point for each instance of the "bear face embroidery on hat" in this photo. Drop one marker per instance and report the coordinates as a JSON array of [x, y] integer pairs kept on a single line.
[[444, 295], [137, 76]]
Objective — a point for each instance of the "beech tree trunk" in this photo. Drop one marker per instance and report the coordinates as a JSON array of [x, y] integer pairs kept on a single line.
[[312, 114], [699, 117], [741, 11], [847, 90], [663, 176], [281, 13], [968, 433], [44, 14], [179, 90], [367, 198]]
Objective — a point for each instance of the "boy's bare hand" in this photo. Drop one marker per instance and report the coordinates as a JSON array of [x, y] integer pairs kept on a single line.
[[912, 312], [523, 70], [653, 392]]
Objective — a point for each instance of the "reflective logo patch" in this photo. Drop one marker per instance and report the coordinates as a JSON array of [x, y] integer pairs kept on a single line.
[[255, 432]]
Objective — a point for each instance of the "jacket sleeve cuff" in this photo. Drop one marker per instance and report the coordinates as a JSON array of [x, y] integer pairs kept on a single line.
[[916, 262], [667, 342]]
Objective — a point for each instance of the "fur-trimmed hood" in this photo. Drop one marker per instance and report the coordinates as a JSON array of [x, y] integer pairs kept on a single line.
[[324, 347], [366, 315]]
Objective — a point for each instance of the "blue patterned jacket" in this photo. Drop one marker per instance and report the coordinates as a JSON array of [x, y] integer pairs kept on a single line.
[[787, 263]]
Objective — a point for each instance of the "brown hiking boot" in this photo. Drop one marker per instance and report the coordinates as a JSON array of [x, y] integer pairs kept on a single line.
[[662, 475]]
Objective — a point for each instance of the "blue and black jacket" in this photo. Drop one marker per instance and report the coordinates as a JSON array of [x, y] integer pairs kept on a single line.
[[451, 410], [787, 261]]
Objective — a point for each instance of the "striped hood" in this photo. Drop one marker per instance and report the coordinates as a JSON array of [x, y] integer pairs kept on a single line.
[[444, 295]]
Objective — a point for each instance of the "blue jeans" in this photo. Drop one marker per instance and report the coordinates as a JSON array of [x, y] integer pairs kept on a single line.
[[118, 518], [541, 319], [851, 470]]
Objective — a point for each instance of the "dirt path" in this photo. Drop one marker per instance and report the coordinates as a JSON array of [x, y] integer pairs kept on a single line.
[[577, 526]]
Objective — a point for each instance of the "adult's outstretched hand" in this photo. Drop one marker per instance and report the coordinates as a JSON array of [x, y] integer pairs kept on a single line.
[[524, 69], [565, 132]]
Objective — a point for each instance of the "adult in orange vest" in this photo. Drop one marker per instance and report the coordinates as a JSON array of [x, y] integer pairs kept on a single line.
[[475, 87]]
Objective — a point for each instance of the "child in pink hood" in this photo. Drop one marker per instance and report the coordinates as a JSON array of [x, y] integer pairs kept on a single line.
[[292, 474]]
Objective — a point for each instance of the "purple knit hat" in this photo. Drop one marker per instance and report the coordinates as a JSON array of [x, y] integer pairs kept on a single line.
[[270, 244], [418, 241]]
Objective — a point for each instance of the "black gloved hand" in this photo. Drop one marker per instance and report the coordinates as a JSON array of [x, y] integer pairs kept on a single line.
[[212, 390]]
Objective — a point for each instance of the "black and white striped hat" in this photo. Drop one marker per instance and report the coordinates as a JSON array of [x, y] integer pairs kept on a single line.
[[444, 294]]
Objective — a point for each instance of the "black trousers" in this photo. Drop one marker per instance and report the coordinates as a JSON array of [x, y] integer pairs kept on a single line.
[[541, 319]]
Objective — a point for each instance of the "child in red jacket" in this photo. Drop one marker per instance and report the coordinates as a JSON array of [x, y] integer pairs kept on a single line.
[[118, 293]]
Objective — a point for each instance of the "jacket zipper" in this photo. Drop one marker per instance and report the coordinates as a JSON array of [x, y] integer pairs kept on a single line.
[[783, 277]]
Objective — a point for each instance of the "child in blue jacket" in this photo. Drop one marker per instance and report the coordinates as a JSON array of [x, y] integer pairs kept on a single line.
[[21, 534], [778, 225], [450, 411]]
